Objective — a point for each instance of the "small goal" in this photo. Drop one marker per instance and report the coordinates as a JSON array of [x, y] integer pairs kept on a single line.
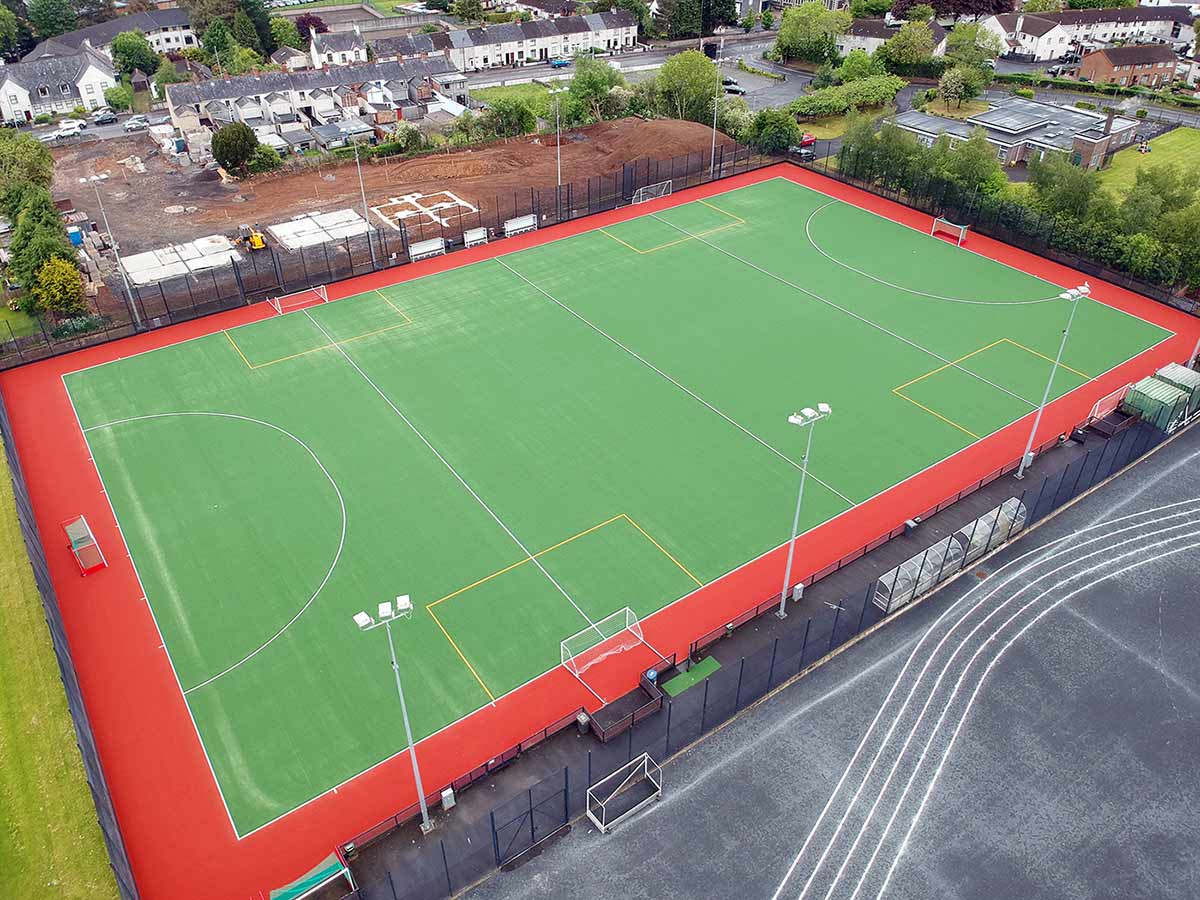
[[652, 192], [88, 555], [1108, 404], [622, 794], [944, 227], [300, 299]]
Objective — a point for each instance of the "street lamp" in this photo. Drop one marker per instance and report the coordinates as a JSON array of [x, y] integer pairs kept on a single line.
[[1073, 296], [806, 417], [558, 150], [387, 614], [137, 318], [712, 164], [363, 192]]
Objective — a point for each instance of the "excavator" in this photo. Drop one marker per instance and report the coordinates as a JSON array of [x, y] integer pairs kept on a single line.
[[251, 237]]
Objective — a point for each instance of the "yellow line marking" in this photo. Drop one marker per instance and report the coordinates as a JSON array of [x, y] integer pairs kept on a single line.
[[461, 656], [950, 422], [358, 337], [737, 220], [1050, 359], [724, 212], [681, 566], [948, 365], [618, 240]]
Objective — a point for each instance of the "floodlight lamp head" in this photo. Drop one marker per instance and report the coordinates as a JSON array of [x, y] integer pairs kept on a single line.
[[363, 620], [385, 610], [809, 413], [824, 409], [403, 605], [1065, 295]]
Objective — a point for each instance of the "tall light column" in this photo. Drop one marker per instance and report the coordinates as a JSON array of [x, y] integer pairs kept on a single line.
[[806, 417]]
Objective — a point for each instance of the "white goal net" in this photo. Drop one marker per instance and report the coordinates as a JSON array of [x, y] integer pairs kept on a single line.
[[300, 299], [1108, 404], [652, 192], [620, 795], [950, 229], [613, 634]]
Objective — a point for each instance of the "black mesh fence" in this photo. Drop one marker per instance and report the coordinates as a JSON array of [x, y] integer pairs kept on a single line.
[[84, 739], [521, 823], [272, 272]]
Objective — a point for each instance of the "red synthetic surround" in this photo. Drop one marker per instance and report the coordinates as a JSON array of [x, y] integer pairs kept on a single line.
[[178, 834]]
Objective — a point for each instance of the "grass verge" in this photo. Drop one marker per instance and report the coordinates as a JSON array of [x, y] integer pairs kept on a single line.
[[835, 126], [50, 844], [1180, 147], [536, 95]]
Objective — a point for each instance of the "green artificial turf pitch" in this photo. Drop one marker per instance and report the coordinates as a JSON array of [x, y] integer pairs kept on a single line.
[[532, 442]]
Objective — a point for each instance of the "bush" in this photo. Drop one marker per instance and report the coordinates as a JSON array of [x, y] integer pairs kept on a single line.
[[58, 287], [1141, 113], [1081, 104], [77, 113], [43, 119], [263, 159], [1027, 93], [773, 131], [233, 146], [877, 90], [77, 325], [119, 97]]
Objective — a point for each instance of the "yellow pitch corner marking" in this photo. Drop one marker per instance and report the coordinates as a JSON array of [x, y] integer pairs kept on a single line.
[[737, 220], [540, 553], [358, 337]]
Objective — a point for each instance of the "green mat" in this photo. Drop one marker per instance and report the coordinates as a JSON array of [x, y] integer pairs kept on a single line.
[[694, 675]]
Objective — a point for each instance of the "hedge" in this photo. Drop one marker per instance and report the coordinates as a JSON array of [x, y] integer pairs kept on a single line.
[[876, 90], [1088, 87]]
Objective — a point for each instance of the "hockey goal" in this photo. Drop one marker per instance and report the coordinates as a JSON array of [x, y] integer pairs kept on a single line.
[[952, 230], [652, 192], [300, 299]]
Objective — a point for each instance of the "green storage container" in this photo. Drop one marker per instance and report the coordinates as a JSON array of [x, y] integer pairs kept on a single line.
[[1185, 379], [1162, 405]]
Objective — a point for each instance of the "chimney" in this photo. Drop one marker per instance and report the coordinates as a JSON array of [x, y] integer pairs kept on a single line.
[[1020, 22], [1111, 114]]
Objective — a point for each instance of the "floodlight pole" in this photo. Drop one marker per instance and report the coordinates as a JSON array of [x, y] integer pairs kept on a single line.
[[386, 622], [1073, 297], [558, 151], [366, 215], [712, 163], [137, 318], [807, 417]]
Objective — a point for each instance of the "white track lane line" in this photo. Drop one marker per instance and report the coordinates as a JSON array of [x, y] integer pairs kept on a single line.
[[987, 671], [849, 312], [952, 609], [932, 693]]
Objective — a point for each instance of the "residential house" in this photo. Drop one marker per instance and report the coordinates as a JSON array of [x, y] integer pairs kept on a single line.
[[1022, 130], [871, 34], [545, 9], [1151, 65], [291, 60], [1045, 36], [283, 102], [54, 84], [338, 48], [164, 29], [517, 43]]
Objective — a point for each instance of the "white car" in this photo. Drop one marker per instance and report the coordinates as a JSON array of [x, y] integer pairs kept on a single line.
[[69, 129], [136, 123]]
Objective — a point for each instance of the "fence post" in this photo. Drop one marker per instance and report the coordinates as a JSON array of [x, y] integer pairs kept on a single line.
[[704, 706], [629, 753], [804, 645], [737, 697], [862, 615], [771, 670], [492, 816], [446, 866], [566, 794], [667, 746], [837, 613], [532, 836], [589, 781]]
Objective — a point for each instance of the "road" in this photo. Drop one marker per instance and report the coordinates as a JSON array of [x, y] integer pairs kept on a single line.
[[1032, 731]]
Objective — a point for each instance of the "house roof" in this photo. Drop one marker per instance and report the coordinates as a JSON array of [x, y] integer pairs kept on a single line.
[[55, 70], [879, 29], [287, 54], [1030, 24], [1136, 54], [103, 33], [191, 67], [551, 7], [338, 41], [412, 45], [304, 80], [1124, 15]]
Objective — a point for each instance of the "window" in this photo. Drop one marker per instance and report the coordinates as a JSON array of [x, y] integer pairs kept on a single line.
[[43, 91], [12, 98], [91, 89], [1001, 152], [65, 88]]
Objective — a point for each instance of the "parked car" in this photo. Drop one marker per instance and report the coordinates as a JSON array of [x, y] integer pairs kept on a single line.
[[805, 154], [728, 81], [68, 129], [559, 63], [104, 116], [735, 89], [136, 123]]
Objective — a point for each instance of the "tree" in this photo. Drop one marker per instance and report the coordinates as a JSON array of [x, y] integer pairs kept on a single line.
[[509, 117], [591, 83], [972, 45], [58, 287], [263, 159], [243, 33], [1039, 6], [92, 12], [952, 86], [242, 60], [1060, 187], [256, 11], [640, 10], [869, 9], [468, 10], [23, 158], [687, 84], [167, 74], [51, 17], [683, 17], [974, 166], [284, 33], [203, 13], [119, 97], [733, 117], [768, 20], [9, 31], [233, 146], [810, 32], [912, 44], [859, 64], [310, 24], [773, 131], [217, 41], [715, 13], [920, 12], [749, 20], [131, 50]]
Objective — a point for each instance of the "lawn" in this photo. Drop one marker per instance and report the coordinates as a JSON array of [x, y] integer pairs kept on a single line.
[[536, 95], [956, 111], [50, 844], [1180, 147], [387, 7], [20, 323], [835, 126]]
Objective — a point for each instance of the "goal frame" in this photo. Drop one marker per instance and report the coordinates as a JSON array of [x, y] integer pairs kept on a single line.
[[310, 296], [1108, 404], [609, 633], [652, 192], [81, 541], [942, 225], [599, 795]]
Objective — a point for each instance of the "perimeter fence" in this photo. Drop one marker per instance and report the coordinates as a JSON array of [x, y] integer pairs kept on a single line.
[[393, 863], [1005, 220], [271, 272], [84, 738]]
